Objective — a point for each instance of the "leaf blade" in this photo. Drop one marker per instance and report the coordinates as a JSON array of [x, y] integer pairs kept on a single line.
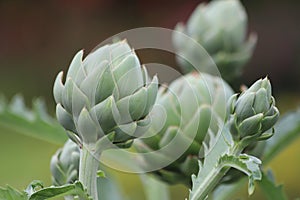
[[61, 191], [10, 193], [245, 163], [36, 122]]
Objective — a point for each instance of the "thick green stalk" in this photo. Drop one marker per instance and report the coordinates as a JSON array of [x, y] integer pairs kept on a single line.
[[211, 181], [88, 171], [216, 174]]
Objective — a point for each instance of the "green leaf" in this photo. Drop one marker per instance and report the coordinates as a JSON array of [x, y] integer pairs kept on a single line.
[[270, 189], [155, 189], [222, 156], [101, 174], [209, 170], [245, 163], [9, 193], [33, 187], [228, 191], [287, 130], [35, 122], [61, 191]]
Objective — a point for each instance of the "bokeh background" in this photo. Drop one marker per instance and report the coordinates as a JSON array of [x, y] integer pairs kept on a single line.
[[39, 38]]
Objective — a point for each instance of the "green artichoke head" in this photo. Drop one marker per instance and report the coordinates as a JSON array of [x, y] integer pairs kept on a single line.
[[108, 95], [65, 164], [192, 109], [220, 27], [253, 112]]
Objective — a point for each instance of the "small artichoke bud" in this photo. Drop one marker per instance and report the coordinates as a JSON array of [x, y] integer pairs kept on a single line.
[[106, 96], [220, 27], [253, 112], [65, 164], [191, 109]]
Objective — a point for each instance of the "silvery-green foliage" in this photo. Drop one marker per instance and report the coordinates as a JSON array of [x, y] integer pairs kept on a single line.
[[34, 121], [253, 112], [106, 94], [72, 191], [64, 164], [251, 115], [220, 27], [195, 109], [36, 191], [221, 158], [12, 193]]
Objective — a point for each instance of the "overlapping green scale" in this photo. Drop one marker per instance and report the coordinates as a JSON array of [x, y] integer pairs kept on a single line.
[[220, 27], [253, 112], [194, 106], [65, 164], [107, 93]]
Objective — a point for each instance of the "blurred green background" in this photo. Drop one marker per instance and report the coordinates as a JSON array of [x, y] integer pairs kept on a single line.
[[39, 38]]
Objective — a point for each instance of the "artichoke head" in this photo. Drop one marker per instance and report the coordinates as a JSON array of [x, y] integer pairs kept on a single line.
[[253, 112], [220, 27], [108, 95], [65, 164], [194, 107]]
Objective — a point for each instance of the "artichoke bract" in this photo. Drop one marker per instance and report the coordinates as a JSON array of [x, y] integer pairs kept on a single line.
[[220, 27], [253, 112], [106, 96], [65, 164], [194, 107]]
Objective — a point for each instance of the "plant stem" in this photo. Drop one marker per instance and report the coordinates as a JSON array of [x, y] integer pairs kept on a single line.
[[214, 177], [211, 181], [88, 171]]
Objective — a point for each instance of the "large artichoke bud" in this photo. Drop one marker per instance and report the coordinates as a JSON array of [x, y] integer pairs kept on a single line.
[[194, 106], [108, 95], [253, 113], [65, 164], [220, 27]]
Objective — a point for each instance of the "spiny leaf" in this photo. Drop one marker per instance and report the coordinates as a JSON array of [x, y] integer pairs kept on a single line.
[[9, 193], [287, 130], [35, 122], [75, 189], [210, 166], [213, 134], [270, 189], [245, 163], [218, 161]]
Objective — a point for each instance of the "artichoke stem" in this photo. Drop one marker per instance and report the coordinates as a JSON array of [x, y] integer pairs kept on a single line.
[[88, 172], [216, 174], [214, 178]]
